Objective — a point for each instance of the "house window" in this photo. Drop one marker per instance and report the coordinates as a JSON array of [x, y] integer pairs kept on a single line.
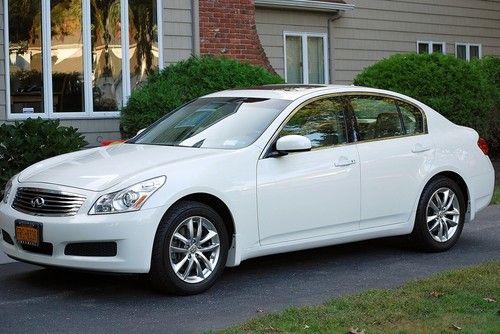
[[306, 58], [467, 51], [427, 47], [78, 58]]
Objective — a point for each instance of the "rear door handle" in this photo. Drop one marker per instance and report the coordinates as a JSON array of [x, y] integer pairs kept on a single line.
[[343, 162], [419, 148]]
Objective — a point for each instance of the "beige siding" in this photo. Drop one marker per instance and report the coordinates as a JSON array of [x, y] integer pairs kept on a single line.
[[177, 30], [177, 45], [271, 23], [378, 28]]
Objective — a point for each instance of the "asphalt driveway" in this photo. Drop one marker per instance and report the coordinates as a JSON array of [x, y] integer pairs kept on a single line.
[[38, 300]]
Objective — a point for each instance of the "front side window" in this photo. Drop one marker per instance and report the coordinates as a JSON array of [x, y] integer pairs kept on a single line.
[[218, 123], [305, 58], [377, 117], [322, 121], [92, 65]]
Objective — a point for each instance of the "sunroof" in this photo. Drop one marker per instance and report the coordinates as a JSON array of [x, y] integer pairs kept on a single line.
[[287, 87]]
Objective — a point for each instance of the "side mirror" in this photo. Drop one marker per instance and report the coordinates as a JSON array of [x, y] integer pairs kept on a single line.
[[293, 143], [140, 131]]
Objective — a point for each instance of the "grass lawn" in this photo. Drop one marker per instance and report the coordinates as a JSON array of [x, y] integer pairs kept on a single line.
[[461, 301], [496, 196]]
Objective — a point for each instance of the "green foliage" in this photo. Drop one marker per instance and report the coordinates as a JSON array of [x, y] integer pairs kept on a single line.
[[461, 91], [496, 196], [489, 68], [25, 143], [185, 81]]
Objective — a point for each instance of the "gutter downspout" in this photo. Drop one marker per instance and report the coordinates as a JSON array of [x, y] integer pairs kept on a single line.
[[337, 16], [195, 27]]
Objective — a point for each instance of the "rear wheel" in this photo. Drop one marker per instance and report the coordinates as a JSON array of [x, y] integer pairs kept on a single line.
[[440, 216], [190, 249]]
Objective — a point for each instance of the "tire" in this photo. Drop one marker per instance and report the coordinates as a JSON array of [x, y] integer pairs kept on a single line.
[[426, 236], [170, 250]]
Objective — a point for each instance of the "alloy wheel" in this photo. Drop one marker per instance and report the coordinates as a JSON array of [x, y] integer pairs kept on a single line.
[[443, 214], [194, 249]]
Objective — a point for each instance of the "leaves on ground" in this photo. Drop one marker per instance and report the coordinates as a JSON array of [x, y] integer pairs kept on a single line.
[[436, 294], [490, 300]]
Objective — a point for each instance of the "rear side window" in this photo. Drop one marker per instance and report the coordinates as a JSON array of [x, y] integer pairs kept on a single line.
[[413, 120], [377, 117], [322, 121], [384, 117]]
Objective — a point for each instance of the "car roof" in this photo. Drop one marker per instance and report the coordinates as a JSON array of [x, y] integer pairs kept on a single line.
[[283, 92]]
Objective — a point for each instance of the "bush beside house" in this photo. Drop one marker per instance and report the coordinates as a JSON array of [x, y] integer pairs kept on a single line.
[[185, 81], [467, 93], [25, 143]]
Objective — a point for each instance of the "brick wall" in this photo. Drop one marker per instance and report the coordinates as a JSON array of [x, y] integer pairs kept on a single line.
[[227, 27]]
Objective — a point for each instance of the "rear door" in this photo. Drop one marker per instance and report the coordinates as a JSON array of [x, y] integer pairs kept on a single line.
[[395, 151]]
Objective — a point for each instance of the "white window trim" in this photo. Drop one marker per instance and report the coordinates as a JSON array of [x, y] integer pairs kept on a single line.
[[467, 49], [431, 45], [87, 63], [305, 54]]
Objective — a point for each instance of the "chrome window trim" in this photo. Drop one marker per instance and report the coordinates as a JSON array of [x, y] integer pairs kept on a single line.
[[264, 152]]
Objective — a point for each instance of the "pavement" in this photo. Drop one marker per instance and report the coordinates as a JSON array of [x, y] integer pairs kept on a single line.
[[36, 300]]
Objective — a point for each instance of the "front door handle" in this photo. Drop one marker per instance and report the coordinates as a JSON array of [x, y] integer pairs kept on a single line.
[[418, 148], [344, 161]]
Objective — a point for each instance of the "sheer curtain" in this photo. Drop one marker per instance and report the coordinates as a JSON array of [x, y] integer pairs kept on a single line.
[[316, 56], [294, 59]]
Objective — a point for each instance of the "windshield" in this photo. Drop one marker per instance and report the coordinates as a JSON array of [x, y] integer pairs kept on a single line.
[[222, 122]]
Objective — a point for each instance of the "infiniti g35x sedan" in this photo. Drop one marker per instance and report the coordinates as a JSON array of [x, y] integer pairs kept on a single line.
[[245, 173]]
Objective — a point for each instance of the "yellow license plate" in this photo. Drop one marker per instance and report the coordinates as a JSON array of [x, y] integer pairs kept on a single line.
[[28, 233]]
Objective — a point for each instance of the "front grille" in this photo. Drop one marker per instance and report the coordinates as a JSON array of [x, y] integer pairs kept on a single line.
[[43, 202], [101, 249]]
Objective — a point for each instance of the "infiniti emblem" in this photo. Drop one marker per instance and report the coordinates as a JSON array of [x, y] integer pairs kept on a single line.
[[37, 202]]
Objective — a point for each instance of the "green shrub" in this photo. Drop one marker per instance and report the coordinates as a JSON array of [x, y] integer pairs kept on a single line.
[[453, 87], [185, 81], [25, 143], [489, 68]]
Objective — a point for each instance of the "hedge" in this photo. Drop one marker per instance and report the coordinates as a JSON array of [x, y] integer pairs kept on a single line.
[[467, 93], [24, 143], [185, 81]]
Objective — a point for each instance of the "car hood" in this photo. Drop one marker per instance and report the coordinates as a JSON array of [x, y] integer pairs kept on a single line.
[[101, 168]]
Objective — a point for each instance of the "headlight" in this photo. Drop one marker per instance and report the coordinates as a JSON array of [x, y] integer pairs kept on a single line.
[[129, 199], [8, 188]]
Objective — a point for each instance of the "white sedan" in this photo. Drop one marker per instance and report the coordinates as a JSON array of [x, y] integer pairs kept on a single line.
[[245, 173]]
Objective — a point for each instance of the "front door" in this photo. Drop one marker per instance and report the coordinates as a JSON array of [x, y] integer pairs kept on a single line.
[[315, 193]]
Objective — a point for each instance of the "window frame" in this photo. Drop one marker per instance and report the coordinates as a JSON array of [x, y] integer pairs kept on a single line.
[[305, 54], [396, 99], [88, 112], [467, 50], [431, 46]]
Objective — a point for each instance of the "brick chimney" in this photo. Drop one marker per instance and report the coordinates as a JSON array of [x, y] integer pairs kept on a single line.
[[227, 27]]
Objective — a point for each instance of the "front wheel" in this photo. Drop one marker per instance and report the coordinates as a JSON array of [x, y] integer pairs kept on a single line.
[[190, 249], [440, 216]]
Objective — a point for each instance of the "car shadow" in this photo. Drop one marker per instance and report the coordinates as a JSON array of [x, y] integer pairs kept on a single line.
[[42, 281]]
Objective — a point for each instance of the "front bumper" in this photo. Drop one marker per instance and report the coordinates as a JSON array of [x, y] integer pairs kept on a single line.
[[133, 233]]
